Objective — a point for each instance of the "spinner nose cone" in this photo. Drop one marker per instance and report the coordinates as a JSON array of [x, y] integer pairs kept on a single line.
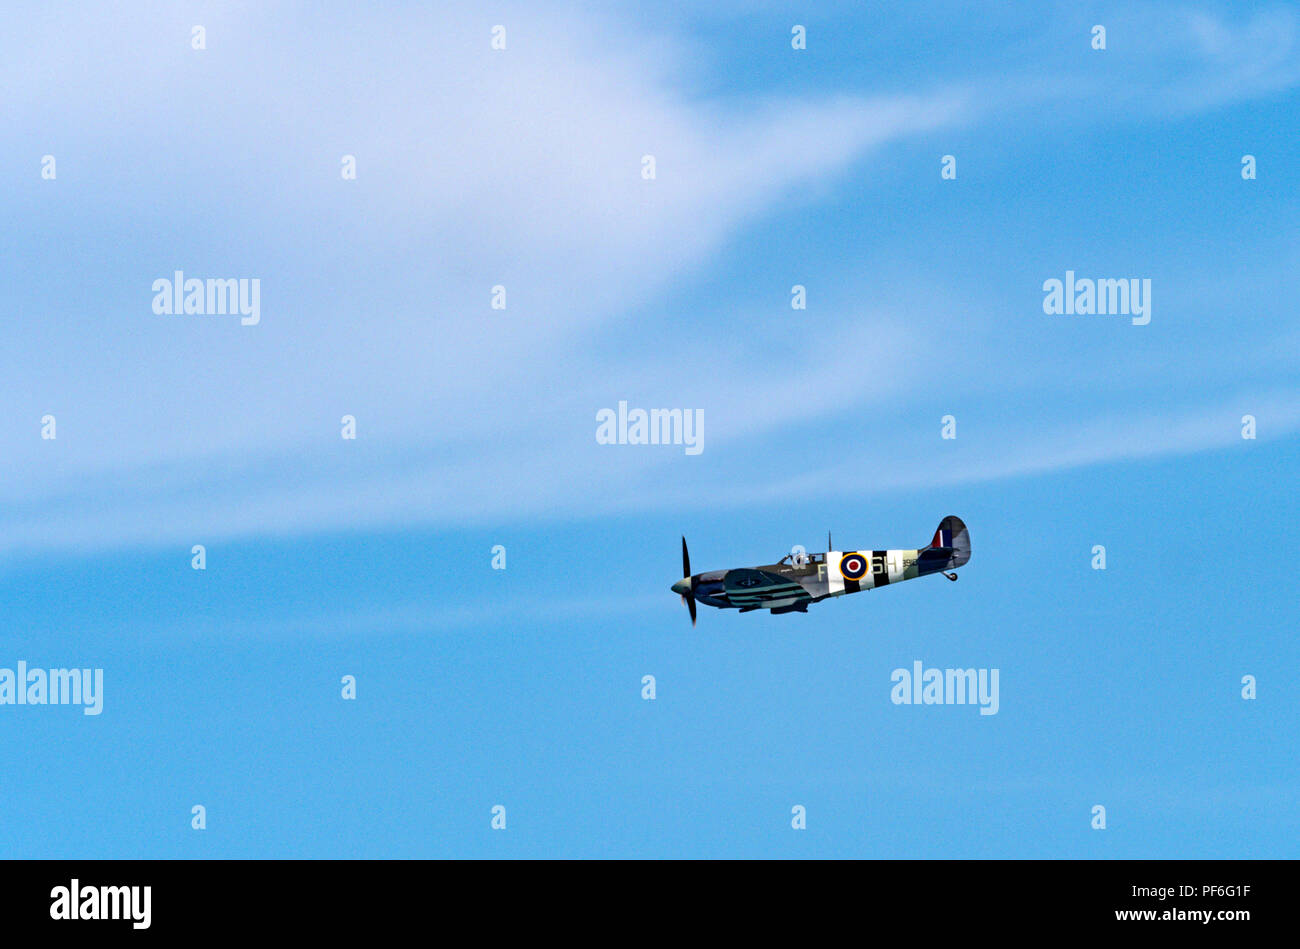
[[682, 586]]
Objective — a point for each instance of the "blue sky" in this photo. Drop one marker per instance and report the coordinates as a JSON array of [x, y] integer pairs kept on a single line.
[[476, 427]]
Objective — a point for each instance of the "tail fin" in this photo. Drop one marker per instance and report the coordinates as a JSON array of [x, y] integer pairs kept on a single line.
[[952, 534]]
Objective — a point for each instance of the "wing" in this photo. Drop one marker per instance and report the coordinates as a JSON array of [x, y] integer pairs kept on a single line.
[[760, 589]]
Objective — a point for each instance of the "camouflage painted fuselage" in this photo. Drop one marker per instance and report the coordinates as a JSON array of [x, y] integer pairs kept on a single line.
[[790, 586]]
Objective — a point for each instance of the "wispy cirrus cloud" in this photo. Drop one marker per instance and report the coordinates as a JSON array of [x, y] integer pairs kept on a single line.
[[476, 168]]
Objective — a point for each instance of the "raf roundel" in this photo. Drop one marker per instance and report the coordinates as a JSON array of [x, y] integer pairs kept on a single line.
[[853, 566]]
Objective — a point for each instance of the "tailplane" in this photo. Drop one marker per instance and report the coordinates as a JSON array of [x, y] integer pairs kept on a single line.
[[952, 535]]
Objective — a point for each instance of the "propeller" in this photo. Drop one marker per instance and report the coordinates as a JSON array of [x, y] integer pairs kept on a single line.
[[688, 598]]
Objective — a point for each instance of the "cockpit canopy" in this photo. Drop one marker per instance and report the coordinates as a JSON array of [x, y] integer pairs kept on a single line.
[[800, 558]]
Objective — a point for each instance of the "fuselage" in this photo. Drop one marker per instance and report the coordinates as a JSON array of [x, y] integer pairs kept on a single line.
[[834, 573]]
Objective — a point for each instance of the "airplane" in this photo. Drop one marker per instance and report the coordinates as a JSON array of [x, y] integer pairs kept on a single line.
[[799, 579]]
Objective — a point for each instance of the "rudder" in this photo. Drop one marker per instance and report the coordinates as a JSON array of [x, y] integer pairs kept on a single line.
[[952, 534]]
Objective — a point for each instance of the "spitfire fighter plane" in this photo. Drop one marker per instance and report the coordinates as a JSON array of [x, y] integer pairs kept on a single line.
[[799, 579]]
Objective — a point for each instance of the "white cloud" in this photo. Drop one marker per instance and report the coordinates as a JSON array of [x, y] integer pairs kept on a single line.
[[476, 167]]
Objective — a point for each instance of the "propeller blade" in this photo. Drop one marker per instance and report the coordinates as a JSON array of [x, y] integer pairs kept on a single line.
[[688, 598]]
